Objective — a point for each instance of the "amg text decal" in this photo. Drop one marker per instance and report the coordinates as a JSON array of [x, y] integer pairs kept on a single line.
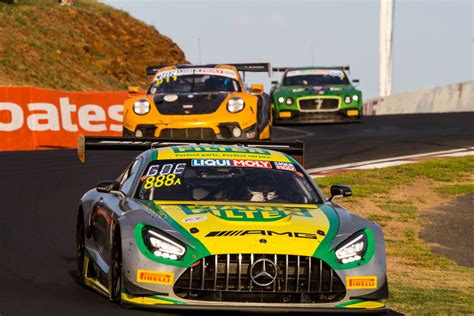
[[240, 233]]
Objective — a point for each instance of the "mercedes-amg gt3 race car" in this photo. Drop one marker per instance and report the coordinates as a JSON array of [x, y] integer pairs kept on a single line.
[[221, 226], [316, 95], [199, 102]]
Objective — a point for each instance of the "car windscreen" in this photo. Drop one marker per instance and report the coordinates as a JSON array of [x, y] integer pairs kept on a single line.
[[195, 80], [315, 77], [226, 180]]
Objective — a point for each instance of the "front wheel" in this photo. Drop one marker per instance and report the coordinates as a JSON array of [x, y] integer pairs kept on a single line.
[[80, 241], [116, 268]]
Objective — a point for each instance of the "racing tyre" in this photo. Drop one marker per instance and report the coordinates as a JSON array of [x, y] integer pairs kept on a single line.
[[80, 241], [116, 268]]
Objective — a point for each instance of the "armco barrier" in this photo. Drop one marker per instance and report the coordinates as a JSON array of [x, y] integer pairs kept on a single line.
[[450, 98], [35, 118]]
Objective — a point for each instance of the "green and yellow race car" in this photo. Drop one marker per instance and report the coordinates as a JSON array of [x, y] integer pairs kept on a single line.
[[316, 95], [225, 226]]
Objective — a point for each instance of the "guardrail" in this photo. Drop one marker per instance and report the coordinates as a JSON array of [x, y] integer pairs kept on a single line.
[[449, 98]]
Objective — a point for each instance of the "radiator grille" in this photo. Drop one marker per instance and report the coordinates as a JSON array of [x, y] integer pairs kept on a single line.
[[298, 279], [318, 104], [188, 133]]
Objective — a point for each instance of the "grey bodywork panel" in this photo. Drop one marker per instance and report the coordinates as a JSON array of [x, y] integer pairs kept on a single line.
[[104, 213]]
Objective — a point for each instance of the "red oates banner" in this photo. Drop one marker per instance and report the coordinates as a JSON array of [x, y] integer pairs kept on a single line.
[[35, 118]]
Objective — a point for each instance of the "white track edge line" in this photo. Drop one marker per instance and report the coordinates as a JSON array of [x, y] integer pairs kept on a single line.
[[369, 162]]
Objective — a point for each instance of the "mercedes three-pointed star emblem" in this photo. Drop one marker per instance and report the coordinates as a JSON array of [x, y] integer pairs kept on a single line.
[[263, 272]]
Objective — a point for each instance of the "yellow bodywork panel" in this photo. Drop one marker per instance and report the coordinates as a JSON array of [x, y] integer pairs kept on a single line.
[[230, 228], [367, 304], [143, 300]]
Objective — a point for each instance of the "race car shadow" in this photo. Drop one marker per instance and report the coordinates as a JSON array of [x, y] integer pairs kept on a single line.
[[73, 274], [174, 312]]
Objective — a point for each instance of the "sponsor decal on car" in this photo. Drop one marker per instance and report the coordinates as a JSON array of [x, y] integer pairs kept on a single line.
[[285, 166], [321, 72], [220, 149], [243, 213], [194, 219], [146, 276], [297, 90], [220, 152], [224, 233], [196, 71], [230, 163], [361, 282]]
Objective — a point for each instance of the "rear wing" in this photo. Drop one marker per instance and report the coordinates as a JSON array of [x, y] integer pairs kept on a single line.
[[254, 67], [151, 70], [242, 67], [284, 69], [293, 149]]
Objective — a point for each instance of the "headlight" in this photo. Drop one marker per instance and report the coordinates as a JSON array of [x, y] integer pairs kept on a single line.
[[162, 246], [281, 100], [355, 97], [352, 249], [347, 100], [289, 101], [141, 107], [235, 105]]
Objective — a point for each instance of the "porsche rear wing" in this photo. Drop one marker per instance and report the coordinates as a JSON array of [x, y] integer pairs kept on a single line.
[[254, 67], [293, 149], [283, 69], [151, 70], [243, 67]]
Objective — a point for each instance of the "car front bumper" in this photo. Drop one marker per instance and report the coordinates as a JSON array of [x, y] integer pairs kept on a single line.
[[165, 304], [298, 117], [198, 130], [135, 293]]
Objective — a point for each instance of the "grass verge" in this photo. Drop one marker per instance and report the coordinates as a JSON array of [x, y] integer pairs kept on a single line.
[[420, 281]]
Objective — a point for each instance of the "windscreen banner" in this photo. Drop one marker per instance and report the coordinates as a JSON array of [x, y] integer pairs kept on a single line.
[[36, 118]]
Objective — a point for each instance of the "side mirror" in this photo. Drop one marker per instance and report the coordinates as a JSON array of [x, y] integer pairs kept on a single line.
[[133, 90], [107, 186], [340, 190], [256, 88], [355, 82]]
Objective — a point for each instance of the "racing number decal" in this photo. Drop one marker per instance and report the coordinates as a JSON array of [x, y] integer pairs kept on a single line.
[[167, 79], [165, 175], [157, 182], [166, 169]]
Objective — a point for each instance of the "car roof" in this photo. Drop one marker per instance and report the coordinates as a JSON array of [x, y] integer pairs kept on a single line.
[[317, 67]]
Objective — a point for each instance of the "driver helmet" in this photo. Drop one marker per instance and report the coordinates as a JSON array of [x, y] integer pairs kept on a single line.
[[262, 187]]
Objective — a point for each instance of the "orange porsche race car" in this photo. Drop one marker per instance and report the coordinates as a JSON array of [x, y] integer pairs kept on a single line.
[[199, 102]]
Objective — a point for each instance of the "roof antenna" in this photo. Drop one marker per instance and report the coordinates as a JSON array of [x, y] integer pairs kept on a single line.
[[212, 138], [199, 50]]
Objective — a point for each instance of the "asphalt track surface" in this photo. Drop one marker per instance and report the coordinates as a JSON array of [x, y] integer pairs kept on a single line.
[[40, 191]]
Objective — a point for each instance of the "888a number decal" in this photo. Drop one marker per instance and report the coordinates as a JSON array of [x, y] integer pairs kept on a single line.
[[161, 180]]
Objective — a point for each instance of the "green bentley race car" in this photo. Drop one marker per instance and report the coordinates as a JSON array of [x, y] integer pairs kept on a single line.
[[316, 95]]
